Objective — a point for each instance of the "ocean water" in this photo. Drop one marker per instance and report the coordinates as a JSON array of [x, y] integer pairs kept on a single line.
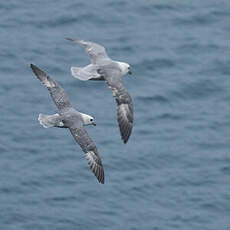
[[174, 172]]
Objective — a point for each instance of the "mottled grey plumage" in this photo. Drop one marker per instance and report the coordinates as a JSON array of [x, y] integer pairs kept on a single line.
[[90, 149], [104, 68], [96, 52], [57, 93], [71, 119], [112, 77]]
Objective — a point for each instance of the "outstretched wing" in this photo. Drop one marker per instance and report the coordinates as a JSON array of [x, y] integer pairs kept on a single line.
[[57, 93], [123, 99], [96, 52], [90, 149]]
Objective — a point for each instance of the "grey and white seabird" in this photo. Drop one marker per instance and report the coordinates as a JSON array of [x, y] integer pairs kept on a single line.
[[104, 68], [70, 118]]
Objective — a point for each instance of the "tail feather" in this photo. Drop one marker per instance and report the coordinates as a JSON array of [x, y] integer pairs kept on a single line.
[[80, 73], [86, 73], [48, 121]]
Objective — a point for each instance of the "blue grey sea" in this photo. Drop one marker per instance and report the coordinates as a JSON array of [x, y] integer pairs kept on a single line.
[[174, 172]]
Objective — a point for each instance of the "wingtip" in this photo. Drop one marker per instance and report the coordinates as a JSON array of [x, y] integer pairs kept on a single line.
[[125, 141], [102, 181], [36, 70], [125, 137], [101, 178], [69, 39], [33, 67]]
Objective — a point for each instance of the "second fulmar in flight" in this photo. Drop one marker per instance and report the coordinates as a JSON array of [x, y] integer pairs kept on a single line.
[[104, 68], [70, 118]]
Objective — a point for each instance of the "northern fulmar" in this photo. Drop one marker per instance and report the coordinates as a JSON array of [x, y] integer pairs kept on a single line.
[[104, 68], [70, 118]]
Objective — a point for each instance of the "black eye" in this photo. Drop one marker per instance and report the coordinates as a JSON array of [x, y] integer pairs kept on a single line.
[[91, 119], [128, 68]]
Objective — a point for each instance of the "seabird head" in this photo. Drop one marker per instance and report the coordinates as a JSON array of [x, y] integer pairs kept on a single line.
[[125, 68], [88, 120]]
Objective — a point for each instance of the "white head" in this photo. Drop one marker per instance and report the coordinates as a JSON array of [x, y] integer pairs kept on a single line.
[[125, 68], [88, 120]]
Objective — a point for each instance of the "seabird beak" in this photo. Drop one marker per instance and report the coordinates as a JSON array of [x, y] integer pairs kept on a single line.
[[93, 123], [129, 72]]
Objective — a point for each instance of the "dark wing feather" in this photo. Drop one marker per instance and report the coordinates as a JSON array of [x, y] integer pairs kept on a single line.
[[124, 102], [90, 149], [96, 52], [57, 93]]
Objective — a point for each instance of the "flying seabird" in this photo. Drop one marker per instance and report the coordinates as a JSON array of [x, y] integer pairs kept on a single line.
[[104, 68], [70, 118]]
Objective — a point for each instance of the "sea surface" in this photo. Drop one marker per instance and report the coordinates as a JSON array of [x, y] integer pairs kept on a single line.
[[174, 172]]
